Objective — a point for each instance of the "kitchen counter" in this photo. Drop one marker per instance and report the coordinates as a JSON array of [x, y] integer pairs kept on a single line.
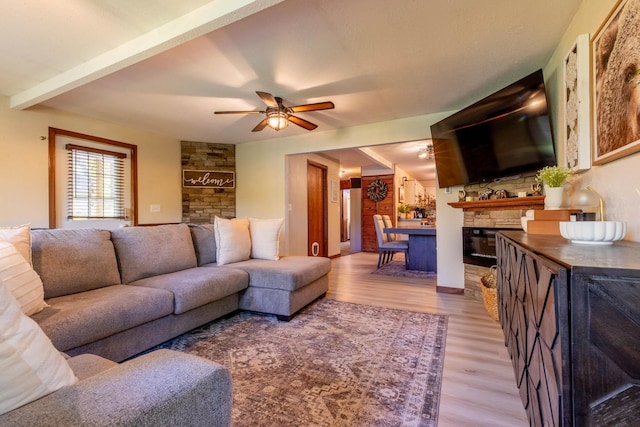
[[412, 223]]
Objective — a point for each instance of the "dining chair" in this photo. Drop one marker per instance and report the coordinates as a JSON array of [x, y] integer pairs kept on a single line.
[[388, 224], [387, 248]]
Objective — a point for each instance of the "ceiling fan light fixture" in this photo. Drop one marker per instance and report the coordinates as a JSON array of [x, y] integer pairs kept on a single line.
[[277, 120]]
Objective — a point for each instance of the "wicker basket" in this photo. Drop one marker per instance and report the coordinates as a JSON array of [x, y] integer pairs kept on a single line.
[[490, 293]]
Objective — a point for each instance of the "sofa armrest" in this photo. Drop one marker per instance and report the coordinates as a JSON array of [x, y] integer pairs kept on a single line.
[[161, 388]]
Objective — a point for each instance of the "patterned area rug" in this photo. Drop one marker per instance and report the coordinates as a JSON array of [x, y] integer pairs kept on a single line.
[[333, 364], [397, 268]]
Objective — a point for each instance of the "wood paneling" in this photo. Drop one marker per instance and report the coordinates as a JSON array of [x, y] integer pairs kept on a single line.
[[371, 208]]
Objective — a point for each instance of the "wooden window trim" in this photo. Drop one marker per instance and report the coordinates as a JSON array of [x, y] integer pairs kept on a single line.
[[133, 149], [95, 150]]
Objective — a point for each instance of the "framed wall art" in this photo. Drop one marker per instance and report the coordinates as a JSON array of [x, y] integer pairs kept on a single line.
[[616, 84], [335, 191], [577, 118]]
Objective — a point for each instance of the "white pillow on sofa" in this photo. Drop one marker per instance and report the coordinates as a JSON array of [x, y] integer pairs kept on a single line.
[[233, 241], [30, 366], [265, 238], [20, 237], [21, 279]]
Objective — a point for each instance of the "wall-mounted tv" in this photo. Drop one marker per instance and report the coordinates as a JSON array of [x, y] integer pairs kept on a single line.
[[506, 134]]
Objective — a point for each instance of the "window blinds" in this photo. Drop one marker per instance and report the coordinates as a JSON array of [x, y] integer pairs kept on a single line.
[[95, 183]]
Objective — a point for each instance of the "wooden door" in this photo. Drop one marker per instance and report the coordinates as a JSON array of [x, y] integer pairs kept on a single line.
[[317, 209]]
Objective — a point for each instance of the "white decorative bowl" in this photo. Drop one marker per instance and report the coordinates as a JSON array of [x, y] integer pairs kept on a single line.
[[593, 232]]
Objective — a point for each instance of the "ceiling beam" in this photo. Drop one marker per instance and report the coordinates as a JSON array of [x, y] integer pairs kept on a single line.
[[207, 18], [376, 157]]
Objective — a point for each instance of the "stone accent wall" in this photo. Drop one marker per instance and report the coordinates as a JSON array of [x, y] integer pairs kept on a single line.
[[498, 218], [202, 205], [472, 284]]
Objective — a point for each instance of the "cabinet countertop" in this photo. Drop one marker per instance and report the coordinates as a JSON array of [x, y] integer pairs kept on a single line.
[[622, 255]]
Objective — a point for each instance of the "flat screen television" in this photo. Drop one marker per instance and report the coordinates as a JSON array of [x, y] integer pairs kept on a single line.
[[506, 134]]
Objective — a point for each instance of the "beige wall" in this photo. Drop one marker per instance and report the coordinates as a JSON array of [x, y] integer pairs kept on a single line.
[[24, 172], [615, 181]]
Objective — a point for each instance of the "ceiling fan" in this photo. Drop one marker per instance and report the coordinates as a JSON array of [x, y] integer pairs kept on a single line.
[[279, 116]]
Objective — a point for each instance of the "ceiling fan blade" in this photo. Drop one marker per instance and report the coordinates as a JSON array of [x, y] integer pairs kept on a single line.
[[260, 126], [328, 105], [238, 112], [302, 123], [268, 99]]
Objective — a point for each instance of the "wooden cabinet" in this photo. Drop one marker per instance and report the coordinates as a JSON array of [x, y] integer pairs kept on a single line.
[[571, 319], [412, 190]]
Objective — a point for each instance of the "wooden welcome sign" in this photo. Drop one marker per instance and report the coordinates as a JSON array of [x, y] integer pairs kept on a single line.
[[208, 179]]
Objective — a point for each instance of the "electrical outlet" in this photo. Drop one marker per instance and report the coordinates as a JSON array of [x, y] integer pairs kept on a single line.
[[154, 208]]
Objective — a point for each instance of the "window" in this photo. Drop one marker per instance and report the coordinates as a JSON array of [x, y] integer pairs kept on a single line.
[[92, 181], [95, 184]]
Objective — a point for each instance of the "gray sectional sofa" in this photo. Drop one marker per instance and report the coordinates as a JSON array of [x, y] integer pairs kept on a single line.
[[114, 294], [161, 388], [117, 293]]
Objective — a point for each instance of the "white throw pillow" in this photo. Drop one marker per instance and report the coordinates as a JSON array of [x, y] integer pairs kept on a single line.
[[20, 237], [30, 366], [21, 280], [265, 238], [233, 241]]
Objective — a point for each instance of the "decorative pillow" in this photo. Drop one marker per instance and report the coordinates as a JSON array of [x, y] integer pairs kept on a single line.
[[20, 237], [21, 280], [30, 366], [204, 241], [265, 238], [233, 240]]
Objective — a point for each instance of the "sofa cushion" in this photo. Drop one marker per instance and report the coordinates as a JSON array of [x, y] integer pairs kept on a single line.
[[198, 286], [265, 238], [30, 367], [233, 240], [72, 261], [75, 320], [20, 237], [21, 280], [87, 365], [288, 273], [204, 242], [150, 251]]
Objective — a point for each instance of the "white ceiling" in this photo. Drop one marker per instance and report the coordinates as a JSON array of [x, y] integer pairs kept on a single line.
[[167, 65]]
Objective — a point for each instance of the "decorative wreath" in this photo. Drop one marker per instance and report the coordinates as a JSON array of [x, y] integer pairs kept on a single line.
[[377, 190]]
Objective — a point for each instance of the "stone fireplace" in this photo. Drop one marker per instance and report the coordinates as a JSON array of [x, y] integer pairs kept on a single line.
[[494, 213]]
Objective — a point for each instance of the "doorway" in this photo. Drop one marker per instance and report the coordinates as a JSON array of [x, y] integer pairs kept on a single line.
[[317, 228], [345, 215]]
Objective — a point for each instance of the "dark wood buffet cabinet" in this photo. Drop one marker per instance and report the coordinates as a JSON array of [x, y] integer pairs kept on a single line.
[[570, 314]]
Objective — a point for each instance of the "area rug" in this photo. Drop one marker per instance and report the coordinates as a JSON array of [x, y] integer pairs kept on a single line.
[[333, 364], [397, 268]]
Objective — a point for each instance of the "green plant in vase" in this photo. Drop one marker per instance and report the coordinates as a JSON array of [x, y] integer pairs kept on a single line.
[[404, 209], [553, 178]]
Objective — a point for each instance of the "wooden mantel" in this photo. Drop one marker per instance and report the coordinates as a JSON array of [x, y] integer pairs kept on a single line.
[[531, 202]]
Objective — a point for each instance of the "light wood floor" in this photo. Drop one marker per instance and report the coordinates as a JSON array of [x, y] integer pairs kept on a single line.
[[478, 387]]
